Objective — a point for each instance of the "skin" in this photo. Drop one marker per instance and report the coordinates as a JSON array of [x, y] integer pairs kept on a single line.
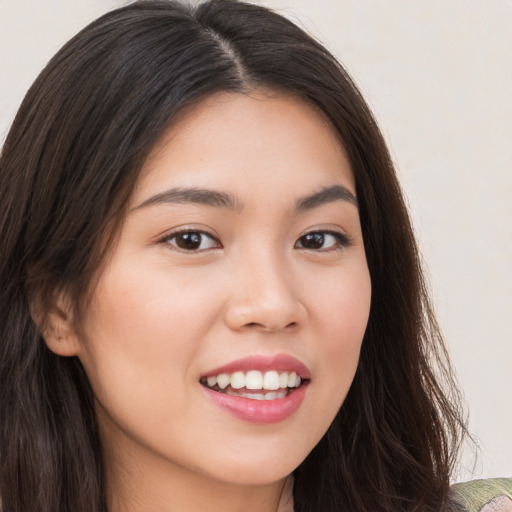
[[161, 315]]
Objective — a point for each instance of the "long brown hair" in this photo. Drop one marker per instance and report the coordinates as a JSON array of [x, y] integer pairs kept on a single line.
[[67, 168]]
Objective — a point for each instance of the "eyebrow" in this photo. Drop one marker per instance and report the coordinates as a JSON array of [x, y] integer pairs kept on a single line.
[[326, 195], [194, 195], [221, 199]]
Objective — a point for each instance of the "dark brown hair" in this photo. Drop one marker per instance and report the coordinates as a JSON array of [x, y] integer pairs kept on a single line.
[[67, 168]]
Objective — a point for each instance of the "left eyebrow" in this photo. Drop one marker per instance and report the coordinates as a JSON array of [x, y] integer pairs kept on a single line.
[[325, 196], [194, 195]]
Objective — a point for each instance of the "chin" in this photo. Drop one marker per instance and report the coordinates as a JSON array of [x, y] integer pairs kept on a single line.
[[250, 475], [257, 468]]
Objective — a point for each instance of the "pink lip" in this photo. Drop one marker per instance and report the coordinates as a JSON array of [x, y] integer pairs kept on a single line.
[[259, 411], [278, 362]]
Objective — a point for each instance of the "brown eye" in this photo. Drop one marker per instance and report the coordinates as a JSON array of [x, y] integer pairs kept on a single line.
[[312, 241], [322, 241], [192, 241]]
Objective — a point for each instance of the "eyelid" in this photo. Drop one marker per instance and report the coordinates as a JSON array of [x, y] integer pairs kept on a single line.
[[189, 229], [344, 240]]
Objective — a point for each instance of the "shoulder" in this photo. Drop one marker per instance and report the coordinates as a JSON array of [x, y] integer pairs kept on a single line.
[[490, 495]]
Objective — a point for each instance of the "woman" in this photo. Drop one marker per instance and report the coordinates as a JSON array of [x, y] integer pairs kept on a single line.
[[210, 287]]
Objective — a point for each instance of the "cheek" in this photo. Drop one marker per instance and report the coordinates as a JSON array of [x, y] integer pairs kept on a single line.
[[142, 335], [346, 314], [142, 339], [341, 306], [340, 317], [147, 313]]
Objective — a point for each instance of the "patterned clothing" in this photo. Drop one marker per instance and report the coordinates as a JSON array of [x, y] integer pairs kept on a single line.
[[491, 495]]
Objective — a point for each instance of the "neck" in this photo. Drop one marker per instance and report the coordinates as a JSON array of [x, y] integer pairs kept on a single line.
[[169, 491], [152, 484]]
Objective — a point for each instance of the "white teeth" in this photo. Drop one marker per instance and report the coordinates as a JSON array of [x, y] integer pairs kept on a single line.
[[223, 380], [271, 380], [257, 396], [237, 380], [254, 380], [254, 396], [292, 379], [283, 380], [275, 396]]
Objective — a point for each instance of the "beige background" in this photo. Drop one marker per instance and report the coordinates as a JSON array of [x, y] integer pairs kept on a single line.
[[438, 74]]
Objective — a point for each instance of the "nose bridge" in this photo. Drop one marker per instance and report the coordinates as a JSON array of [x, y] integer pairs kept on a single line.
[[264, 293]]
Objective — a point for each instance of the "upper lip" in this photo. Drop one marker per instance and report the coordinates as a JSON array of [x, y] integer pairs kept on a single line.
[[263, 363]]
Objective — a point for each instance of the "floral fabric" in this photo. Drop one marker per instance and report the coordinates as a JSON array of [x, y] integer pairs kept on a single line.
[[491, 495]]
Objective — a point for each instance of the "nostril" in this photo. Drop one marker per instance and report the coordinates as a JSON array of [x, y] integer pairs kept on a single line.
[[253, 314], [265, 327]]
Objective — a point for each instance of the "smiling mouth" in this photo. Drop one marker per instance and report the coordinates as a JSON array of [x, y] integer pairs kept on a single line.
[[255, 385]]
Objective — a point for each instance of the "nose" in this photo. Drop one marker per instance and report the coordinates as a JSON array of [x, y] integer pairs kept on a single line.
[[264, 297]]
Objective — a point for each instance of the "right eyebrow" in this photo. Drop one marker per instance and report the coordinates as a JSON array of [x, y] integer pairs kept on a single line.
[[327, 195], [194, 195]]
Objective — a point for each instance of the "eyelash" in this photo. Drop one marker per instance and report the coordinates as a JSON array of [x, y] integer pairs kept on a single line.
[[168, 238], [342, 240]]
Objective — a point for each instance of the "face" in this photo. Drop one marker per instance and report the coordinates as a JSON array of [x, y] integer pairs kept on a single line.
[[225, 331]]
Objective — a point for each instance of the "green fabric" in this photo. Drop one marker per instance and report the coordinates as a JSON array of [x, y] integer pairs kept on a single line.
[[475, 494]]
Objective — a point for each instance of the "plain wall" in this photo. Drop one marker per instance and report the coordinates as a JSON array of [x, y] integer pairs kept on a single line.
[[438, 75]]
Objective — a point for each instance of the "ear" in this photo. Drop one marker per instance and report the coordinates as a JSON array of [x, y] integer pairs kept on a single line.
[[56, 324]]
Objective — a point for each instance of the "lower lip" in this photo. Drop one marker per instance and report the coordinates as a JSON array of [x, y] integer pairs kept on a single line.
[[259, 411]]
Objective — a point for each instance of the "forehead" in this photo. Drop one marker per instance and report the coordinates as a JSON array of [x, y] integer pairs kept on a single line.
[[230, 139]]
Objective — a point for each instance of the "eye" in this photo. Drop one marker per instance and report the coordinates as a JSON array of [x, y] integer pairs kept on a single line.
[[192, 241], [322, 241]]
